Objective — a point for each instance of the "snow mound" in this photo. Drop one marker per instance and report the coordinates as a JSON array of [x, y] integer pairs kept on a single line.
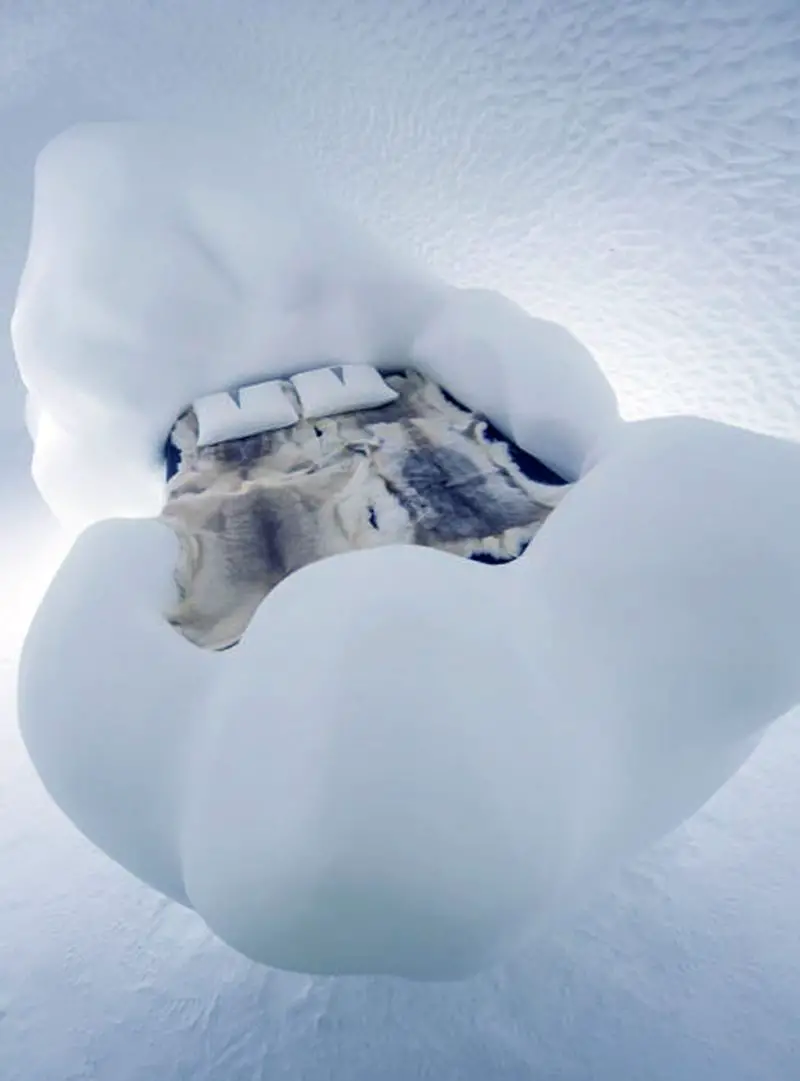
[[536, 382], [411, 759], [165, 265]]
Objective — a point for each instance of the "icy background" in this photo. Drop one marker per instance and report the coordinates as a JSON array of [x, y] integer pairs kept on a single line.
[[627, 172]]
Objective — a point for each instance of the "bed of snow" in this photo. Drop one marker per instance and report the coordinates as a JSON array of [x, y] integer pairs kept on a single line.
[[410, 760], [628, 172], [166, 264]]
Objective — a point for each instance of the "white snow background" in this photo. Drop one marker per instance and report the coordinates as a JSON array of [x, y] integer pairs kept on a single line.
[[538, 135]]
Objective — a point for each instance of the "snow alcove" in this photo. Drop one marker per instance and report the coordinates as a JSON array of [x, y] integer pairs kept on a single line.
[[410, 761]]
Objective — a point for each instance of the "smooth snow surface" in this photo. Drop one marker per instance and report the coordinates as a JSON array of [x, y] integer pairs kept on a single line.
[[626, 169], [166, 265], [410, 760]]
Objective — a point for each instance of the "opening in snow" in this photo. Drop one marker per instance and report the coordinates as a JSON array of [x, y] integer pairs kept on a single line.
[[409, 759]]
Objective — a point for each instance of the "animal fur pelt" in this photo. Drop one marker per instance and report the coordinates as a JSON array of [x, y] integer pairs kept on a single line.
[[421, 470]]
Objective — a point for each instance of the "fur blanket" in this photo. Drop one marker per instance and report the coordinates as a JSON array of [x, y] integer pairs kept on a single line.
[[421, 470]]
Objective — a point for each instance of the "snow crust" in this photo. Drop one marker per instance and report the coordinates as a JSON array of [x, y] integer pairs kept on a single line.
[[411, 760], [166, 264]]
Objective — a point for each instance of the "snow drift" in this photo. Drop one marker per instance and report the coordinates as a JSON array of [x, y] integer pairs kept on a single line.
[[410, 760], [167, 264]]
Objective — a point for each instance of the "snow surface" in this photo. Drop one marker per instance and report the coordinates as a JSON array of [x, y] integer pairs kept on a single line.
[[627, 170], [410, 760], [163, 267], [166, 264]]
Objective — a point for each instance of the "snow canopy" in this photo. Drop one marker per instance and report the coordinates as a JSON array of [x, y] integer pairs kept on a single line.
[[410, 760]]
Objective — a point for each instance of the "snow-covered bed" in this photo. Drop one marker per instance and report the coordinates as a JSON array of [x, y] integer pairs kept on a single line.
[[330, 476], [409, 760]]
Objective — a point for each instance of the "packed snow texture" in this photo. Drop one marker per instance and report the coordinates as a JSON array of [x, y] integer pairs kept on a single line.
[[411, 760], [166, 264], [626, 169]]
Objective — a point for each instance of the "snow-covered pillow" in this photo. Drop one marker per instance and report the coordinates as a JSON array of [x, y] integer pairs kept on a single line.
[[341, 389], [262, 407]]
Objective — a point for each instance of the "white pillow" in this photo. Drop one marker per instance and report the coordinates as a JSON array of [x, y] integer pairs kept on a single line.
[[262, 407], [341, 389]]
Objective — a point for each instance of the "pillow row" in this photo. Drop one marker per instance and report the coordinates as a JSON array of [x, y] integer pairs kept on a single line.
[[265, 407]]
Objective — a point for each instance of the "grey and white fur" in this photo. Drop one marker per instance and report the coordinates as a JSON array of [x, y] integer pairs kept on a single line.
[[420, 470]]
